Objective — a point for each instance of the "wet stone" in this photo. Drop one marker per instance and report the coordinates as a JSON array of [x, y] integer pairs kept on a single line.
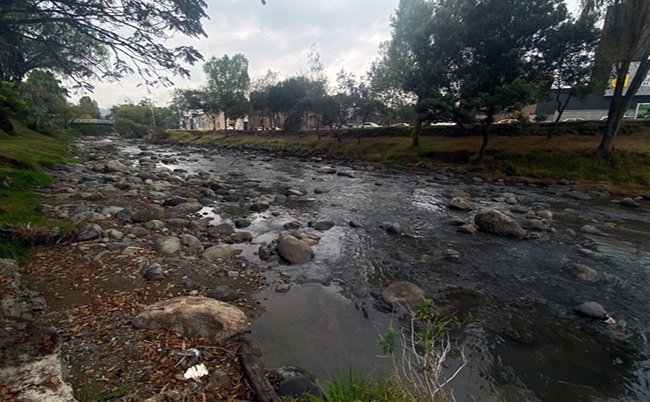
[[629, 202], [585, 273], [592, 309], [242, 223], [321, 225], [223, 293]]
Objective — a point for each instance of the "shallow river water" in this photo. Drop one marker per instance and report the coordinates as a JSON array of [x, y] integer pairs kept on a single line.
[[524, 343]]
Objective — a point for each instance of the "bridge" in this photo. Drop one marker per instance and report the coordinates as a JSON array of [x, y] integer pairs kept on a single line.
[[91, 121]]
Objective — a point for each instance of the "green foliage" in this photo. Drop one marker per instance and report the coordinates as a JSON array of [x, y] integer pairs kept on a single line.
[[79, 41], [22, 158], [11, 249], [45, 101], [93, 391], [352, 388], [227, 87], [130, 129], [388, 341], [459, 57], [87, 108]]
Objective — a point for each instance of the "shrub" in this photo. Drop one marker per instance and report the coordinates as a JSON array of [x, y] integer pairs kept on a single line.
[[128, 129]]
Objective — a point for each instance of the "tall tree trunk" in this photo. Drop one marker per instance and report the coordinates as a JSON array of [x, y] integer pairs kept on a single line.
[[415, 133], [489, 120], [560, 111], [620, 103]]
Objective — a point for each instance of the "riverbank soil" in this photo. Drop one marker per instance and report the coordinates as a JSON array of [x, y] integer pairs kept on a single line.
[[514, 150], [78, 293]]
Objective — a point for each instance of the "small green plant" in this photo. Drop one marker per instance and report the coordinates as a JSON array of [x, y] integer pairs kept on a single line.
[[388, 341], [353, 388], [92, 391], [425, 347]]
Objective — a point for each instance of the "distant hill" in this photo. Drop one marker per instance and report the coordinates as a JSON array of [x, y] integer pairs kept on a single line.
[[104, 112]]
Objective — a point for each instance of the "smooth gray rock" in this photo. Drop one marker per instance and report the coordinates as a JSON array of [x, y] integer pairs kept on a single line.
[[461, 204], [592, 309], [357, 225], [405, 295], [493, 221], [292, 225], [629, 202], [194, 316], [468, 228], [585, 273], [321, 190], [393, 228], [223, 293], [191, 241], [151, 212], [154, 224], [242, 223], [167, 244], [219, 252], [321, 225], [115, 166], [591, 229], [154, 273], [112, 210], [241, 237], [139, 231], [294, 250], [91, 231]]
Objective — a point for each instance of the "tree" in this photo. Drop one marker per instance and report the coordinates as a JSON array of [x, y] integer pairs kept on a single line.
[[570, 53], [259, 96], [460, 56], [500, 64], [227, 86], [87, 108], [185, 103], [286, 97], [418, 58], [71, 37], [44, 98], [625, 45]]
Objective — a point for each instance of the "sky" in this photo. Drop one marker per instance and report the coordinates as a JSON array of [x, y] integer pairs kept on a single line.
[[275, 36]]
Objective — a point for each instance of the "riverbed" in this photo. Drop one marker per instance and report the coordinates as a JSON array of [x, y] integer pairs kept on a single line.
[[523, 340]]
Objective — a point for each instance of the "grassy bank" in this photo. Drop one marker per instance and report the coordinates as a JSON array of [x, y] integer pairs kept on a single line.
[[566, 156], [22, 159]]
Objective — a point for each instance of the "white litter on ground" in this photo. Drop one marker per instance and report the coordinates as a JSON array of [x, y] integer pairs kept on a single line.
[[197, 371]]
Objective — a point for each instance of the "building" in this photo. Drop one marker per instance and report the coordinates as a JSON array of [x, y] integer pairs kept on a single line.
[[618, 21]]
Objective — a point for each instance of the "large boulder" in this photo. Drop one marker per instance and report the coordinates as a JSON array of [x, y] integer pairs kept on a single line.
[[405, 295], [219, 252], [193, 316], [294, 250], [493, 221]]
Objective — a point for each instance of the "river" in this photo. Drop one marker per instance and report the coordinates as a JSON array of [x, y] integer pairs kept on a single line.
[[524, 341]]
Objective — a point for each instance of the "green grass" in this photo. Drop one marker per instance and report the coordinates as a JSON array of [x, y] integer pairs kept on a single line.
[[93, 391], [352, 388], [514, 152], [22, 159]]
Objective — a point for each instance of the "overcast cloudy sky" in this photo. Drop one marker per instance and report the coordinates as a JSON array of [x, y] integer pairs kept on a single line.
[[276, 36]]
